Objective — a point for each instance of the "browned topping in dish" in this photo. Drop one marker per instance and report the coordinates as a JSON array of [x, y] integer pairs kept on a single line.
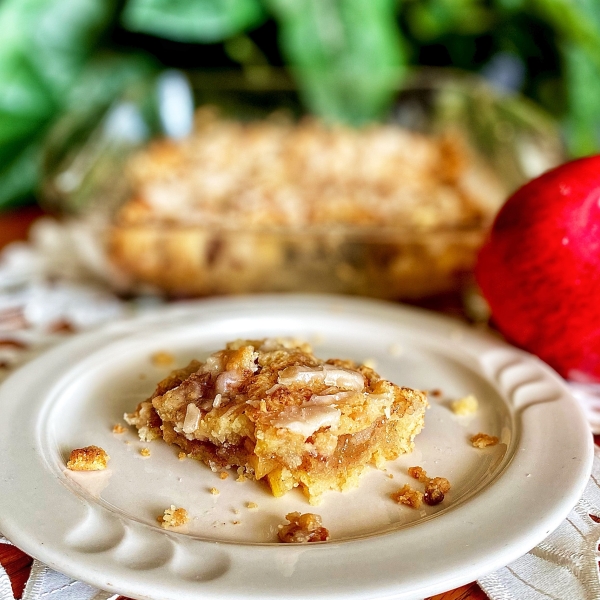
[[279, 414], [406, 495], [90, 458], [173, 517], [303, 528], [483, 440], [206, 214]]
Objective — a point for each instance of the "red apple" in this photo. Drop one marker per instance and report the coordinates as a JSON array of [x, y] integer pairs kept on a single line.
[[540, 268]]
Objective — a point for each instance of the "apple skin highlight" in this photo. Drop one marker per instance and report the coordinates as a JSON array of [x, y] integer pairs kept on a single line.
[[539, 269]]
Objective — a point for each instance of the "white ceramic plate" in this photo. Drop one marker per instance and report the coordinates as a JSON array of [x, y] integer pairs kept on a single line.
[[101, 527]]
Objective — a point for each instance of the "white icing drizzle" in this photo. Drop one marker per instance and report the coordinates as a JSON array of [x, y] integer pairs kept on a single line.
[[328, 374], [308, 419], [192, 418], [228, 381], [329, 399]]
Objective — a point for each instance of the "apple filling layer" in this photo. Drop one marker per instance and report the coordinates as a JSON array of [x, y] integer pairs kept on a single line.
[[277, 413]]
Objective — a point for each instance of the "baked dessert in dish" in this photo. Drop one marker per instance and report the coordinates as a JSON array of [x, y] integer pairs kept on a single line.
[[273, 411], [282, 206]]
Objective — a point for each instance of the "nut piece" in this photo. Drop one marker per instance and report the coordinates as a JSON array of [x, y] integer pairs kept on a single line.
[[483, 440], [406, 495], [173, 517], [90, 458], [465, 406], [303, 528]]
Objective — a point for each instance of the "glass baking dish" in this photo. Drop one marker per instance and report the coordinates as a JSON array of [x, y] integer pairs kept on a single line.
[[87, 178]]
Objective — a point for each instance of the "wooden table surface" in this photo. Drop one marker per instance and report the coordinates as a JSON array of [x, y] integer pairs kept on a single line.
[[14, 225]]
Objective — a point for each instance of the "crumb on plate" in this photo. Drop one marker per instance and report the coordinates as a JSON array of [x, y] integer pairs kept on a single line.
[[90, 458], [303, 528], [145, 452], [118, 428], [483, 440], [214, 491], [182, 456], [465, 406], [162, 359], [406, 495], [223, 475], [173, 517], [435, 487]]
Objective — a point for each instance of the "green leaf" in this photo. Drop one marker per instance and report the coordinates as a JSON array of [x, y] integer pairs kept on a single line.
[[19, 176], [202, 21], [346, 54], [582, 125], [43, 47]]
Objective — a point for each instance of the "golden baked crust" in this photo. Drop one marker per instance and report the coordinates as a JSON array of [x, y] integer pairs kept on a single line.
[[279, 414], [90, 458]]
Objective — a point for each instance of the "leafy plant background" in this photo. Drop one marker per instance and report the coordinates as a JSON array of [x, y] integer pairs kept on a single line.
[[348, 57]]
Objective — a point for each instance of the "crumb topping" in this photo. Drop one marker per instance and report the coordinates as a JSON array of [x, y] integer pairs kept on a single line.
[[90, 458], [302, 528], [483, 440]]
